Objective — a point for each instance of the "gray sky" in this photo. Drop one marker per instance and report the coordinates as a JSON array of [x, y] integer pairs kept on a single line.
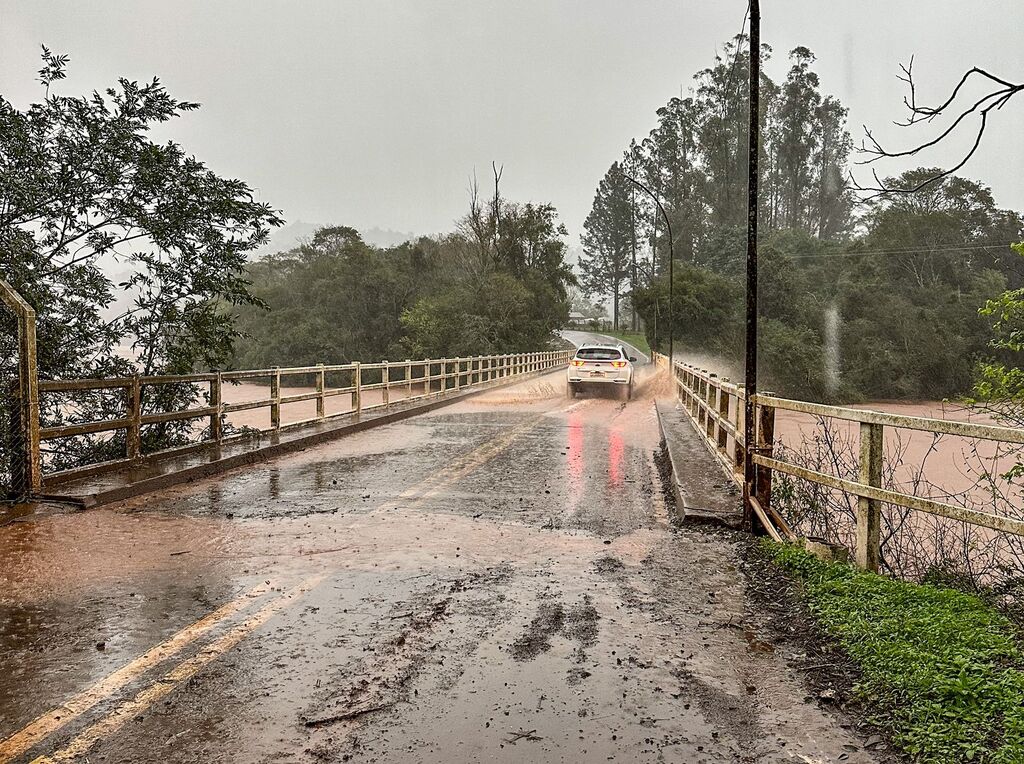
[[375, 113]]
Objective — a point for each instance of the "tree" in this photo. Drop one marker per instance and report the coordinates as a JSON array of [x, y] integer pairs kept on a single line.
[[999, 384], [83, 188], [607, 239], [497, 284]]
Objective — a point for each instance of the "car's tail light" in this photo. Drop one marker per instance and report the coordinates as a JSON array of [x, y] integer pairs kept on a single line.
[[577, 362], [619, 364]]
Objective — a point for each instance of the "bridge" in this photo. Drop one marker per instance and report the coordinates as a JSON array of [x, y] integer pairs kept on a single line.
[[440, 560]]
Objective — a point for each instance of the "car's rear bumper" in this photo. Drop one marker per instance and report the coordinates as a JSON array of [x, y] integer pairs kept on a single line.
[[599, 380]]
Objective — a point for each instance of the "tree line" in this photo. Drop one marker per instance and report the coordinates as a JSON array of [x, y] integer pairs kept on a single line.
[[858, 299], [85, 194], [496, 284]]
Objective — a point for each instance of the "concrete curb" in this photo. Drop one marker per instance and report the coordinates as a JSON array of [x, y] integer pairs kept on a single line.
[[265, 453], [686, 512]]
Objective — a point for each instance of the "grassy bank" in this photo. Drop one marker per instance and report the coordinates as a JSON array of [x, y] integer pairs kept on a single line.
[[941, 672], [637, 340]]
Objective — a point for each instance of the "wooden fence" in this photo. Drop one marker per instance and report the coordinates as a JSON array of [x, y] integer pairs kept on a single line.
[[20, 446], [715, 408], [415, 379]]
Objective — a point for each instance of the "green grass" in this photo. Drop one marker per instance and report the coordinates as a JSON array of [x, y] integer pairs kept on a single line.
[[639, 341], [940, 670]]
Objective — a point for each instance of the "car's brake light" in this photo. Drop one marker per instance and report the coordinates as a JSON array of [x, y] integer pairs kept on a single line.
[[577, 362], [618, 364]]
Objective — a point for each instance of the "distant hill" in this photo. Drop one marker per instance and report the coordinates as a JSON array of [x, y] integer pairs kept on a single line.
[[293, 234]]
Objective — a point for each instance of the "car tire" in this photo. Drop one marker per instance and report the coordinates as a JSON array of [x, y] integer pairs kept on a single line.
[[629, 391], [570, 390]]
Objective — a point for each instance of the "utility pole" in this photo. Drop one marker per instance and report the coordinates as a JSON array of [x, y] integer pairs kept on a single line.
[[671, 259], [750, 376]]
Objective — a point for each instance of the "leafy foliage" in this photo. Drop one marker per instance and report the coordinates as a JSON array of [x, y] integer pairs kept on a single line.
[[940, 669], [82, 188], [880, 305], [84, 192], [497, 285]]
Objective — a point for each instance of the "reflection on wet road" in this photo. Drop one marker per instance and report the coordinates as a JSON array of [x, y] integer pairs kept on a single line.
[[493, 581]]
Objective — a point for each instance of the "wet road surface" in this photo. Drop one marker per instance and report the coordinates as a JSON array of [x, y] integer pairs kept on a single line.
[[493, 581]]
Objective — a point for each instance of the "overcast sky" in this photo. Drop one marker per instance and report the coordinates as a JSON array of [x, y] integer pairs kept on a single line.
[[376, 113]]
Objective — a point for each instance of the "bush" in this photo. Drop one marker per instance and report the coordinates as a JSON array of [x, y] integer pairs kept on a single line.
[[940, 668]]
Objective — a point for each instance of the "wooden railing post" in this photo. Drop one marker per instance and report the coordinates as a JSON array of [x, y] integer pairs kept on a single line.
[[738, 445], [133, 436], [321, 383], [702, 396], [408, 376], [357, 388], [385, 379], [712, 406], [722, 441], [869, 511], [444, 375], [458, 373], [217, 404], [275, 400], [765, 447], [27, 457]]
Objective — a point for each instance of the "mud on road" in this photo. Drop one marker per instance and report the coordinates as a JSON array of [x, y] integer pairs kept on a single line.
[[494, 581]]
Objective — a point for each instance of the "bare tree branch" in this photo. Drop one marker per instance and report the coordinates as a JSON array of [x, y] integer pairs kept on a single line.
[[1000, 93]]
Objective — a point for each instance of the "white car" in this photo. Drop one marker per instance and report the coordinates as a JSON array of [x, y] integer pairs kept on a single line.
[[600, 367]]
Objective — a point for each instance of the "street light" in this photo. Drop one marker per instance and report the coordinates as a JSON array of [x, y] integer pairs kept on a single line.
[[671, 259]]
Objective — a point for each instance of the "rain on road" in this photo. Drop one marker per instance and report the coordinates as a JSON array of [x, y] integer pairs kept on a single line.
[[496, 580]]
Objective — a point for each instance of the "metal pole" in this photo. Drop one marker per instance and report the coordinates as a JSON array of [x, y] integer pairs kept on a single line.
[[750, 377], [671, 260]]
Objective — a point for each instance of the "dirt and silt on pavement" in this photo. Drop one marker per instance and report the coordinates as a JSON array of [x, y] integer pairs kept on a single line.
[[497, 580]]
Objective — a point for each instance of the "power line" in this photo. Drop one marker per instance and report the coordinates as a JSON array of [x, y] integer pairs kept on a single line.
[[903, 251]]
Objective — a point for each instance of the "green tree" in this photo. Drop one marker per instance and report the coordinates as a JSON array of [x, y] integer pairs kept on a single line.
[[83, 188], [607, 239], [999, 384], [84, 191], [497, 284]]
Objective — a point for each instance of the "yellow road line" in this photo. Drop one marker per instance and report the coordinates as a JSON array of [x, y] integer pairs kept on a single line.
[[52, 720], [184, 671]]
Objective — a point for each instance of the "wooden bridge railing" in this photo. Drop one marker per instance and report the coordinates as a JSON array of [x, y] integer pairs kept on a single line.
[[715, 408], [416, 380]]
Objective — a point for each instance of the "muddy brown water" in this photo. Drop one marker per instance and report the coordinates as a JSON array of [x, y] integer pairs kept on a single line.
[[493, 581]]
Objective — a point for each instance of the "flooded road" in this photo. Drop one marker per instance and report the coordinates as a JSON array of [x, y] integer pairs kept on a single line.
[[493, 581]]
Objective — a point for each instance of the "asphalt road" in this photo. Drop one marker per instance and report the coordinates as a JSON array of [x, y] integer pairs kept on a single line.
[[494, 581]]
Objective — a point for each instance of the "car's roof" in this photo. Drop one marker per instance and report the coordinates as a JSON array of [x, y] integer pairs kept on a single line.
[[600, 346]]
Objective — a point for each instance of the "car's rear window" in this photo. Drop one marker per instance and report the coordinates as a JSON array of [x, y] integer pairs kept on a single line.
[[598, 354]]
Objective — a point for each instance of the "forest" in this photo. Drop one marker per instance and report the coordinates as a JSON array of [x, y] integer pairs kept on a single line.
[[497, 284], [858, 299]]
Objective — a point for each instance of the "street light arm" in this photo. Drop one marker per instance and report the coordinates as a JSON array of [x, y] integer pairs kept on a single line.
[[671, 260], [654, 198]]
